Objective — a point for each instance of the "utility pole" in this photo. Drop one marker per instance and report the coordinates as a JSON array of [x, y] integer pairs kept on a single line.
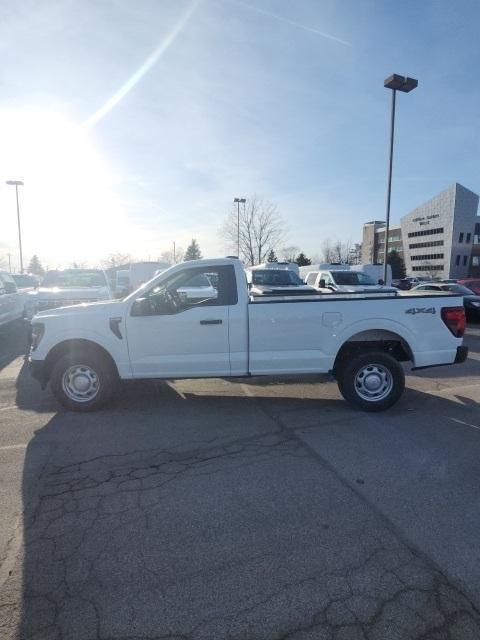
[[16, 184], [238, 201]]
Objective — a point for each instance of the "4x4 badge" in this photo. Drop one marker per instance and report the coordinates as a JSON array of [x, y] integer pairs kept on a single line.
[[415, 310]]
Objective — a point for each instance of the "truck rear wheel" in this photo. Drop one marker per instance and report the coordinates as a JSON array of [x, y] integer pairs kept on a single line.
[[82, 381], [372, 381]]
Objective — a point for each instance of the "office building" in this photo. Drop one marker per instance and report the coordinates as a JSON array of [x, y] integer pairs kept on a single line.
[[440, 238]]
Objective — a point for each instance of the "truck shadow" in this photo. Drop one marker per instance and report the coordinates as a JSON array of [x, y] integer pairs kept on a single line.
[[122, 538], [13, 342]]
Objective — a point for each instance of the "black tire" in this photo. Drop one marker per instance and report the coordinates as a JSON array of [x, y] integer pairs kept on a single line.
[[90, 365], [376, 366]]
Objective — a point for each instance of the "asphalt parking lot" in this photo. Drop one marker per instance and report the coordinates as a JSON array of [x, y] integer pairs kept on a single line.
[[241, 509]]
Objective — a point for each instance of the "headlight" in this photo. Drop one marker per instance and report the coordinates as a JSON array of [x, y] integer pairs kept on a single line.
[[38, 329]]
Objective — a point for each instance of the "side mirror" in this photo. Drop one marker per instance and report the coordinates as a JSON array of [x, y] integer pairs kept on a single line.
[[141, 307], [322, 284]]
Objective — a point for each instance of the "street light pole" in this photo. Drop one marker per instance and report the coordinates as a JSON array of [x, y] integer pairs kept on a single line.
[[238, 201], [389, 186], [18, 183], [396, 83]]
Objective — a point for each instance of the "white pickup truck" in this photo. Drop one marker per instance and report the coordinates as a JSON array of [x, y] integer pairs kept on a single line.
[[156, 332]]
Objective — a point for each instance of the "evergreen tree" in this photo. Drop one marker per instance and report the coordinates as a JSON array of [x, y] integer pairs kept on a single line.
[[35, 266], [395, 260], [193, 251], [302, 260], [272, 257]]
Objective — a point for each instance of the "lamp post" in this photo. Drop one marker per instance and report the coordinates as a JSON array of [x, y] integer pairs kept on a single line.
[[396, 83], [238, 201], [18, 183]]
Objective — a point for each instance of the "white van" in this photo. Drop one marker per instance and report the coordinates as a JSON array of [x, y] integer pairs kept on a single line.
[[285, 266], [11, 301], [345, 281]]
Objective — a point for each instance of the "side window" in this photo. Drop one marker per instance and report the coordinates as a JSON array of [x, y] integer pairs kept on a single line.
[[2, 286], [188, 289], [8, 283], [327, 278], [311, 278]]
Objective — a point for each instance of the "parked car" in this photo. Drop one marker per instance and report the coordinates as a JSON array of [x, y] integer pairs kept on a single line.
[[343, 281], [263, 282], [61, 288], [403, 284], [157, 333], [11, 301], [122, 283], [471, 301], [25, 282], [471, 283]]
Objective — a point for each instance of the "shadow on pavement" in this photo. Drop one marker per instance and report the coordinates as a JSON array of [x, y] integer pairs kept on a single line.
[[13, 342], [201, 517]]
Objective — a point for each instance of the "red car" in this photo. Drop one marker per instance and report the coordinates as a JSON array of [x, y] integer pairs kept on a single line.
[[471, 283]]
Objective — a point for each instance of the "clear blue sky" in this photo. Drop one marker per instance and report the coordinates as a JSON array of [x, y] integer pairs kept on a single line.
[[282, 99]]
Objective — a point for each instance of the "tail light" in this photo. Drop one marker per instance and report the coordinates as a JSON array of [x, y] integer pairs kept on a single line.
[[454, 318]]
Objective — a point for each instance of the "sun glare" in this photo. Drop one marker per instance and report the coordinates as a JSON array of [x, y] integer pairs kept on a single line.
[[69, 208]]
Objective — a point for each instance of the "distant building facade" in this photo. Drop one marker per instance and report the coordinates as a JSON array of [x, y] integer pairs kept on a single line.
[[440, 238]]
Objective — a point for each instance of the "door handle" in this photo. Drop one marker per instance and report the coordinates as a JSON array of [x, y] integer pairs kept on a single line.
[[210, 321]]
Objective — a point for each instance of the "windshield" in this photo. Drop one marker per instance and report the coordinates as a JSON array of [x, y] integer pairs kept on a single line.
[[275, 278], [75, 278], [353, 278], [24, 281], [457, 288]]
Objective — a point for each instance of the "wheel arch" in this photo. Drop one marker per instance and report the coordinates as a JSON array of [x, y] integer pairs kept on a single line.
[[374, 340], [74, 345]]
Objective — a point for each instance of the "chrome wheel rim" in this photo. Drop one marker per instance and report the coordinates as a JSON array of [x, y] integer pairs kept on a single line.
[[80, 383], [373, 382]]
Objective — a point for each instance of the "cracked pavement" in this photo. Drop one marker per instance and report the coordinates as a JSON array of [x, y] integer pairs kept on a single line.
[[247, 510]]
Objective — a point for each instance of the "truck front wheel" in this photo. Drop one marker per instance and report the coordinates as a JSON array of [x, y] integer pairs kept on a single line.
[[82, 381], [372, 381]]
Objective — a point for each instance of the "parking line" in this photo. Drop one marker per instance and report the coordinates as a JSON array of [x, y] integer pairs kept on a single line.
[[9, 408], [14, 446], [467, 424]]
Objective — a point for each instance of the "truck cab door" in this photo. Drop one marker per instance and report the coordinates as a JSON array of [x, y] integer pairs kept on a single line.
[[175, 331]]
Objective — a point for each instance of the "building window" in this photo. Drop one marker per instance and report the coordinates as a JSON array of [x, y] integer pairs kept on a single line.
[[425, 232], [430, 256], [424, 245], [465, 258], [460, 239], [475, 261], [469, 235], [457, 261], [429, 267]]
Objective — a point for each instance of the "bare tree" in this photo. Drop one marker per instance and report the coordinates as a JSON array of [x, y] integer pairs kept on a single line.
[[289, 253], [167, 256], [116, 260], [336, 251], [327, 251], [261, 230]]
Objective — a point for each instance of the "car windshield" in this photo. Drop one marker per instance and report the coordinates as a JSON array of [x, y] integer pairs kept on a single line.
[[22, 280], [457, 288], [75, 278], [275, 277], [352, 278]]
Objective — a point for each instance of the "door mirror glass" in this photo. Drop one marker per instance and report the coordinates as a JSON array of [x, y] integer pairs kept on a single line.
[[141, 307], [322, 284]]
